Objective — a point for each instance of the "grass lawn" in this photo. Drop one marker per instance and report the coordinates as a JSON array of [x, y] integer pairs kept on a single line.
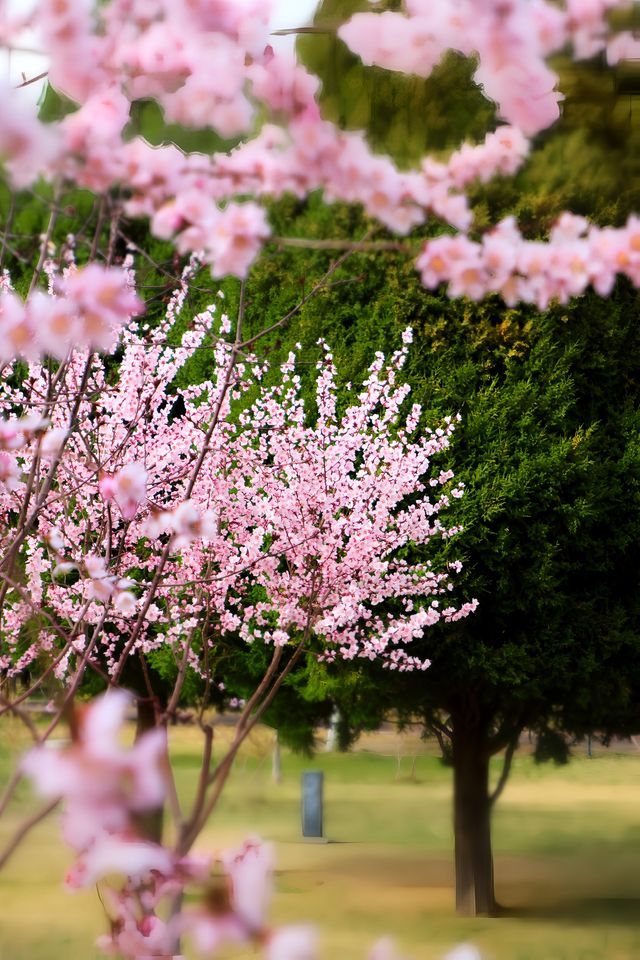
[[567, 844]]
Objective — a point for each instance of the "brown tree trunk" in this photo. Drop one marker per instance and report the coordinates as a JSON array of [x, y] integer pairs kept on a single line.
[[472, 821], [151, 822], [276, 760]]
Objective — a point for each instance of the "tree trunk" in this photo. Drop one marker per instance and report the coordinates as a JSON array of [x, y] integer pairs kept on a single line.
[[276, 761], [151, 822], [472, 822]]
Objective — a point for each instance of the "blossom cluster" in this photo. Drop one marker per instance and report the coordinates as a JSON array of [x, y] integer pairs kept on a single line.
[[104, 787], [577, 255], [341, 499], [312, 517], [88, 307], [512, 41], [106, 790], [185, 524], [125, 50]]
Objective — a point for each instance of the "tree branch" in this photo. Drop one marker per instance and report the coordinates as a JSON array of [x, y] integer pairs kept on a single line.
[[506, 768], [24, 829]]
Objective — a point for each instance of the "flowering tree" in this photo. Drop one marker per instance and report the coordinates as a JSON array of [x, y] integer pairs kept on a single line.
[[129, 529], [134, 482]]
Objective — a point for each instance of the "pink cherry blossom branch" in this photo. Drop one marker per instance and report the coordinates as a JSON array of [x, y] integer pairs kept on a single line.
[[155, 583], [68, 638], [27, 522]]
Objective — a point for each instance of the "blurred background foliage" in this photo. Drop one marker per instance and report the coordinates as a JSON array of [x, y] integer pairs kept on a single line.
[[588, 162]]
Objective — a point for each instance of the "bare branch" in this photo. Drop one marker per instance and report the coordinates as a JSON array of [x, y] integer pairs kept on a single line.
[[24, 829], [353, 246], [506, 768], [26, 83]]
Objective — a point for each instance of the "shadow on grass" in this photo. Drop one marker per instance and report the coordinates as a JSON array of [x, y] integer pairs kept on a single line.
[[621, 911]]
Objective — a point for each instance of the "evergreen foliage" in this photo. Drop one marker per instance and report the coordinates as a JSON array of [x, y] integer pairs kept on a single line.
[[549, 454]]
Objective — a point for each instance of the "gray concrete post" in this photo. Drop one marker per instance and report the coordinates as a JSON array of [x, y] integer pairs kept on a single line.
[[312, 788]]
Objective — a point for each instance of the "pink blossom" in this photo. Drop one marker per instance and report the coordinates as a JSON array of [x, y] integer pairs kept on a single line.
[[109, 854], [16, 433], [550, 24], [293, 943], [98, 123], [91, 306], [125, 602], [103, 585], [56, 322], [235, 239], [9, 471], [128, 487], [209, 930], [104, 787], [249, 870], [52, 441], [283, 84], [464, 951], [144, 938], [27, 147], [104, 300], [385, 949], [391, 40], [54, 539], [187, 523], [17, 336], [624, 46]]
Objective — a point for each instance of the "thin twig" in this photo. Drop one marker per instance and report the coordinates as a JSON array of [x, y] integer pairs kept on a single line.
[[301, 30], [10, 789], [354, 246], [298, 307], [44, 245], [203, 780], [26, 83], [24, 829]]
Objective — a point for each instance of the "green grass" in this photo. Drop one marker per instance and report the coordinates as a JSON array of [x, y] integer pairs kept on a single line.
[[567, 843]]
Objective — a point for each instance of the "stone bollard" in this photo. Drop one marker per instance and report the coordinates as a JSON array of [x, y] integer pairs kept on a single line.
[[312, 787]]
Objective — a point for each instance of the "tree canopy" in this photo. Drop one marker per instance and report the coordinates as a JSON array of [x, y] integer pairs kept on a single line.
[[548, 452]]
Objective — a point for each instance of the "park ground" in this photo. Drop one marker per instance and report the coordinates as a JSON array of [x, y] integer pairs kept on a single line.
[[567, 844]]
